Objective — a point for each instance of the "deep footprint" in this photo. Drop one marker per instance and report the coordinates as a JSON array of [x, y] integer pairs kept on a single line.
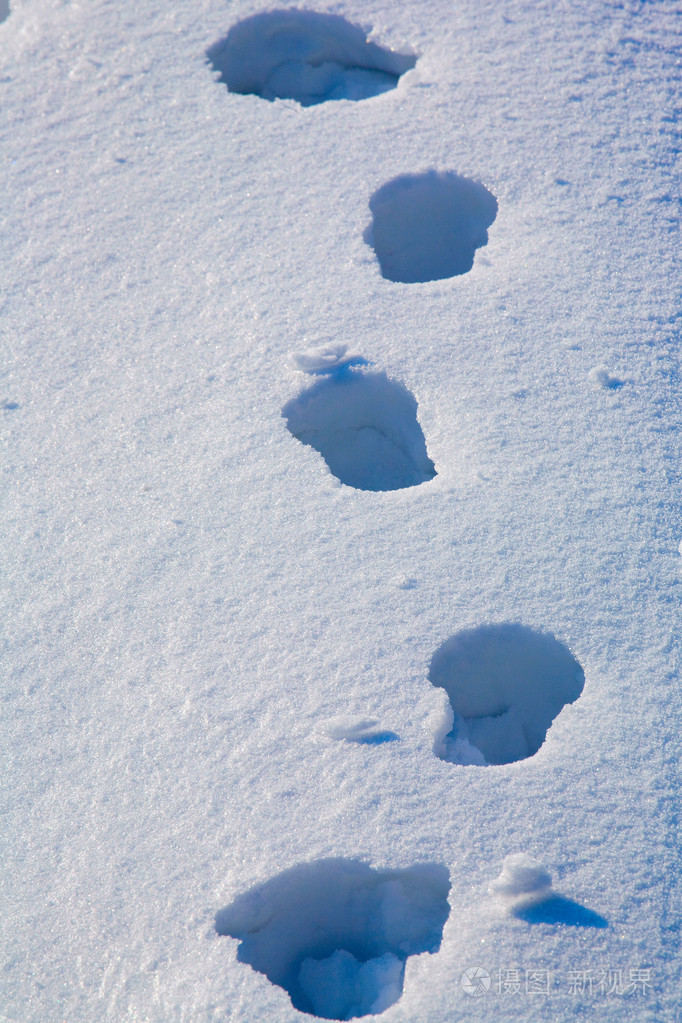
[[305, 56], [335, 934], [365, 427], [4, 10], [506, 684], [427, 227]]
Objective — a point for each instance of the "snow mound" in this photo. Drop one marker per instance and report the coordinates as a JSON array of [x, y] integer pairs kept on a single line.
[[328, 359], [427, 227], [365, 427], [522, 878], [525, 887], [305, 56], [602, 378], [458, 750], [335, 933], [406, 582], [506, 684]]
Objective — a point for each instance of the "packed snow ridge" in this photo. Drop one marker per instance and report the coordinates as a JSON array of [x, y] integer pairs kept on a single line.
[[335, 933], [305, 56], [506, 684], [427, 227], [365, 427]]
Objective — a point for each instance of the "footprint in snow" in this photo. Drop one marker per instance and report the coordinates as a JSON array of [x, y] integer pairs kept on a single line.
[[362, 423], [305, 56], [427, 227], [336, 933], [506, 685], [4, 10]]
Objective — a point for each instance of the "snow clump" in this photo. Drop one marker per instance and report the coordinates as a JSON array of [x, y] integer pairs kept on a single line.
[[523, 879]]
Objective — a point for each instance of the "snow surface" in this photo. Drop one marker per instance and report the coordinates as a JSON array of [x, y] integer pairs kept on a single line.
[[198, 615]]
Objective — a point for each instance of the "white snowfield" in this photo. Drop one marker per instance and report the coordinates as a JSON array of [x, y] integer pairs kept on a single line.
[[341, 521]]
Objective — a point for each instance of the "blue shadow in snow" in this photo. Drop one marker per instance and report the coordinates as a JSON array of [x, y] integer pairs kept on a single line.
[[378, 739], [558, 910], [335, 933]]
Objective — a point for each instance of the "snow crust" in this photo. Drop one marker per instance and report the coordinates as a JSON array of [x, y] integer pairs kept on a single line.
[[200, 620]]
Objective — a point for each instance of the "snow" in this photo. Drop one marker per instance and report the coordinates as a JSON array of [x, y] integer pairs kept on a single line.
[[522, 878], [340, 987], [525, 888], [366, 730], [218, 641], [327, 359], [602, 378]]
